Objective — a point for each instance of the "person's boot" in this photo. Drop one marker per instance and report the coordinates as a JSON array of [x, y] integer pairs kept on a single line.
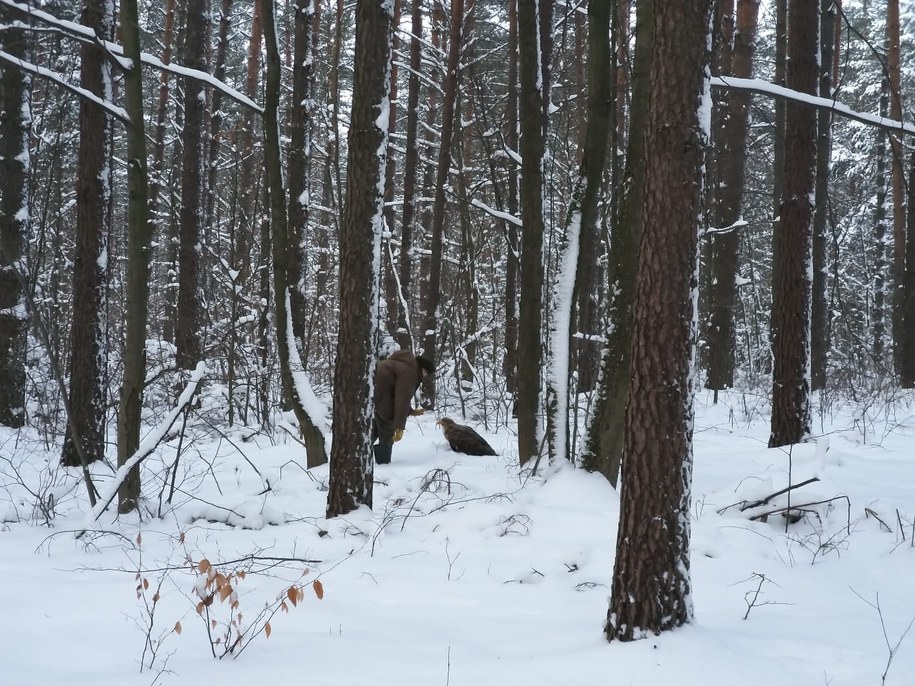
[[382, 453]]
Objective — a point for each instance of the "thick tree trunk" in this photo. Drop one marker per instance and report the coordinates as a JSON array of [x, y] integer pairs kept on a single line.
[[651, 582], [604, 447], [351, 465], [299, 162], [190, 298], [532, 148], [724, 242], [88, 333], [792, 259], [15, 128]]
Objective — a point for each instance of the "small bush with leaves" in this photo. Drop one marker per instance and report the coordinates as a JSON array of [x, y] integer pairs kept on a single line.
[[229, 634]]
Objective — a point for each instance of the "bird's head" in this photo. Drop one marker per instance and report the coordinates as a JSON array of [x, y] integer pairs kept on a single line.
[[445, 423]]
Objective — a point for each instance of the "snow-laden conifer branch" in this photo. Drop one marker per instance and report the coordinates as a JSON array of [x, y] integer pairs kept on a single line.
[[87, 35], [765, 88], [114, 110]]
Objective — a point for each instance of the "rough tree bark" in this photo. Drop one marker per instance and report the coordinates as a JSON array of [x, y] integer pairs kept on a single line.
[[139, 231], [651, 584], [793, 244], [190, 298], [819, 323], [532, 148], [15, 128], [724, 242], [88, 332], [604, 446], [351, 465]]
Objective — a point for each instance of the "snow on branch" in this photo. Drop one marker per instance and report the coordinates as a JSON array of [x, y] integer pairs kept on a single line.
[[87, 35], [118, 112], [770, 89], [498, 214], [147, 445]]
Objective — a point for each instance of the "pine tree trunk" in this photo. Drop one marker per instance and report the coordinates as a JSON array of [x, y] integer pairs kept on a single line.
[[907, 363], [510, 361], [604, 447], [651, 582], [819, 324], [88, 332], [432, 296], [792, 259], [532, 148], [597, 132], [190, 298], [893, 67], [281, 248], [724, 242], [878, 344], [299, 162], [139, 231], [392, 294], [351, 465], [579, 249], [15, 130]]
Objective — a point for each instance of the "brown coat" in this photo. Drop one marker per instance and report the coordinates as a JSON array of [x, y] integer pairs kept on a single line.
[[396, 380]]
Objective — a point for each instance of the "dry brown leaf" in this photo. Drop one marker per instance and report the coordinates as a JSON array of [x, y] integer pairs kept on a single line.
[[293, 596], [267, 629], [319, 589], [213, 623], [181, 538], [219, 580], [139, 539], [241, 575], [200, 607], [225, 592], [203, 565], [145, 584], [156, 597], [301, 593], [284, 607], [178, 628]]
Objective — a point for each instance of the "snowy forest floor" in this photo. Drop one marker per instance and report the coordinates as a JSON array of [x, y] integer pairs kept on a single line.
[[466, 572]]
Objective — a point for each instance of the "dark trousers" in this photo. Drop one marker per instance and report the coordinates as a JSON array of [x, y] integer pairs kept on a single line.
[[383, 432]]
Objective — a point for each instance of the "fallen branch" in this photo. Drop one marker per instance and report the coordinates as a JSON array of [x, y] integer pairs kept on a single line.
[[805, 507], [746, 505], [868, 512], [147, 446]]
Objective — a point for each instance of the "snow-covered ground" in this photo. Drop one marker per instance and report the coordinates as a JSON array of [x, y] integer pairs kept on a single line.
[[465, 573]]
